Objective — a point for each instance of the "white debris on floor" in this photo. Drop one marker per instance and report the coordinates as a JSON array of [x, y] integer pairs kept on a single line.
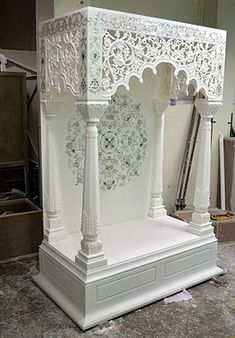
[[109, 331], [178, 297]]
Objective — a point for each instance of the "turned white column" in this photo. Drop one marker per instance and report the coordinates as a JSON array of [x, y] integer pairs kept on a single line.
[[156, 205], [91, 255], [53, 230], [200, 224]]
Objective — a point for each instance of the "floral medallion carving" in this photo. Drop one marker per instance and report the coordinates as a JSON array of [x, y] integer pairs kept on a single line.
[[122, 141]]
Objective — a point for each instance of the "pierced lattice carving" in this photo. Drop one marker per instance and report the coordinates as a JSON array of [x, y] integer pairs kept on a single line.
[[63, 46], [128, 53], [93, 51]]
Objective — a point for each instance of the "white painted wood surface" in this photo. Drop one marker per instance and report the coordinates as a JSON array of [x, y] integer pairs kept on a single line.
[[53, 229], [201, 224], [133, 259], [156, 205], [91, 255]]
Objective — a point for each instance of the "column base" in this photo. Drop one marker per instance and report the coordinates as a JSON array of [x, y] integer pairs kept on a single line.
[[155, 212], [90, 262], [201, 229], [54, 235], [201, 224]]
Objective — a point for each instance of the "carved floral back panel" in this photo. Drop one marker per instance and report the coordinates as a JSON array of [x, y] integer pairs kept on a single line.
[[122, 143]]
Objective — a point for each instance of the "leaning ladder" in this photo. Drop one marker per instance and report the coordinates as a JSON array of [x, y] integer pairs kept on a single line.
[[188, 159]]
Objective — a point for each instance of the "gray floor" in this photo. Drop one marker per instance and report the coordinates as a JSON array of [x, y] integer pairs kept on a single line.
[[26, 312]]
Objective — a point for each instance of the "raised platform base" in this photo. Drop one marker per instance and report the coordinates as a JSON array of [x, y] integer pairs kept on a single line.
[[147, 273]]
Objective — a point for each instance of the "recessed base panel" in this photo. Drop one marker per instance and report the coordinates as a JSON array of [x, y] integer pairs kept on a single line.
[[127, 284]]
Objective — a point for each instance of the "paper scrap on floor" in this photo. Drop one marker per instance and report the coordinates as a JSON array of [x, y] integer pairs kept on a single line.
[[179, 297]]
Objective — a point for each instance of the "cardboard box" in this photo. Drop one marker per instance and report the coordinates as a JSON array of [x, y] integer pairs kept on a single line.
[[224, 229], [21, 229]]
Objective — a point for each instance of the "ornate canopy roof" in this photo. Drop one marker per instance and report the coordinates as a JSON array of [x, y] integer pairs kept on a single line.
[[93, 51]]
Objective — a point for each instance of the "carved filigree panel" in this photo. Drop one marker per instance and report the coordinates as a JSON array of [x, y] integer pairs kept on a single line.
[[121, 45], [127, 53], [63, 47], [132, 43], [122, 143]]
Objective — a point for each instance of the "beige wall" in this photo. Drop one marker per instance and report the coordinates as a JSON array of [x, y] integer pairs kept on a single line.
[[64, 6], [28, 58], [178, 117], [168, 9]]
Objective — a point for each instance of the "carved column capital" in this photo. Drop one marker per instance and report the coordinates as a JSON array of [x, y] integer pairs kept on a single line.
[[207, 109], [91, 111], [49, 108], [160, 105]]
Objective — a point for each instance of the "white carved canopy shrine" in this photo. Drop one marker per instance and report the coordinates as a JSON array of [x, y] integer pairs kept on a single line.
[[96, 271]]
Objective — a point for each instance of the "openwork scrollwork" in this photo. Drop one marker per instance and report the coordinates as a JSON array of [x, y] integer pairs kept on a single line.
[[127, 53], [92, 52], [63, 47]]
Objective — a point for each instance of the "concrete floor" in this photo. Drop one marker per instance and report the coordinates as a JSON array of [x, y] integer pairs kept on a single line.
[[26, 312]]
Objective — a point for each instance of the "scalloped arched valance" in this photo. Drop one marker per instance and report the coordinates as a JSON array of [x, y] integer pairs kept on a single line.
[[93, 51]]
